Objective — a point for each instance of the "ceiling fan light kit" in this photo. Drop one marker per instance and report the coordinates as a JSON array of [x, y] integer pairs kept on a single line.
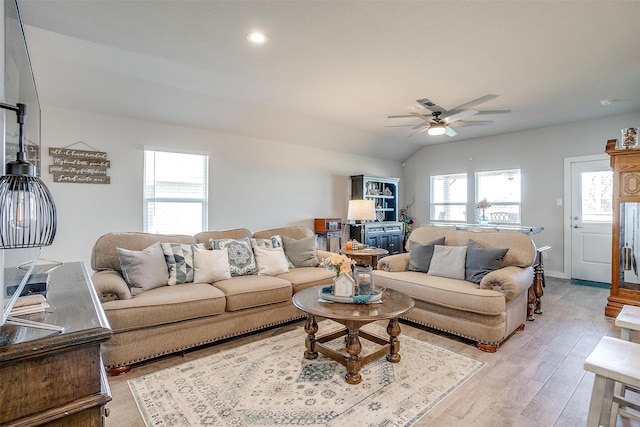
[[440, 120]]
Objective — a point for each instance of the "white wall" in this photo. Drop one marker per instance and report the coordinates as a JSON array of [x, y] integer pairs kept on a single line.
[[256, 184], [539, 153]]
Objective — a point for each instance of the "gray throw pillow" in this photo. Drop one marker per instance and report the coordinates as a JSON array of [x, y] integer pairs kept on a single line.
[[481, 261], [145, 269], [301, 252], [421, 255]]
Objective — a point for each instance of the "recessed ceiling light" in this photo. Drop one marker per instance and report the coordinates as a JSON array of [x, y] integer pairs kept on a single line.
[[257, 38], [605, 102]]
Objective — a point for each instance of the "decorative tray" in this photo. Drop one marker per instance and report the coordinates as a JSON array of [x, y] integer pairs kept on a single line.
[[326, 293]]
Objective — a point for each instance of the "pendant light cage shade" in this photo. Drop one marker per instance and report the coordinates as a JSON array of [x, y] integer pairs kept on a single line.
[[27, 213]]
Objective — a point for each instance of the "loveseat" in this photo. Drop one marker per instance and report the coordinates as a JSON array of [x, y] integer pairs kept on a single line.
[[471, 284], [150, 320]]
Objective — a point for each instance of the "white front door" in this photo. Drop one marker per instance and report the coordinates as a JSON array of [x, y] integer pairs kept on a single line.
[[591, 216]]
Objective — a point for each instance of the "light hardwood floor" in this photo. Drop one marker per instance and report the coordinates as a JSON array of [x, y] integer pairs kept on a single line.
[[535, 379]]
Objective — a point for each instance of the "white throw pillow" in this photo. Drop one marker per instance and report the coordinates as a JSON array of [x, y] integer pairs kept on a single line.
[[211, 265], [271, 261], [448, 261]]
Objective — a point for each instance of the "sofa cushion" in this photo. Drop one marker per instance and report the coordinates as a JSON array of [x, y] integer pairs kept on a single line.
[[145, 269], [306, 277], [301, 252], [179, 259], [241, 259], [448, 261], [421, 255], [253, 291], [211, 265], [481, 261], [443, 291], [165, 305]]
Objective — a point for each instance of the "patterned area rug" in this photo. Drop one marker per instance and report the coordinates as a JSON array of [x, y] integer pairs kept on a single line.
[[269, 383]]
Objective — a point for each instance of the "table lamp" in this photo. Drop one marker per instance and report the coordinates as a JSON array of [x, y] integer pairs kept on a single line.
[[361, 210]]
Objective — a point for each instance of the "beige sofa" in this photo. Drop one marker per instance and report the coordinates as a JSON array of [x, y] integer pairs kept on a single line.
[[169, 319], [486, 313]]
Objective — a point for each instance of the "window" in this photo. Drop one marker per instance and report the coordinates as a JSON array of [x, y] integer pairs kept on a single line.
[[596, 197], [175, 192], [449, 197], [502, 189]]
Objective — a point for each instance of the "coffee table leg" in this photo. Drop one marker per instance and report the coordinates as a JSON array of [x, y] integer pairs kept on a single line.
[[393, 329], [354, 347], [310, 327]]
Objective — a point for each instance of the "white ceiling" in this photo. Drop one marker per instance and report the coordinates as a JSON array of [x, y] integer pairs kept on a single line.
[[333, 70]]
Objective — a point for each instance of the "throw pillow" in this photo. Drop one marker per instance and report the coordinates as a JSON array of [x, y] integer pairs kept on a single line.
[[210, 265], [301, 252], [179, 258], [274, 241], [481, 261], [241, 260], [145, 269], [421, 255], [448, 261], [271, 261]]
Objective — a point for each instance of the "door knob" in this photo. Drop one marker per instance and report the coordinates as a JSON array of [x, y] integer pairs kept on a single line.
[[575, 217], [577, 226]]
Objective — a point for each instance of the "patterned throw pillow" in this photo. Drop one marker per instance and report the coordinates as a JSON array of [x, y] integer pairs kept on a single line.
[[179, 258], [241, 260]]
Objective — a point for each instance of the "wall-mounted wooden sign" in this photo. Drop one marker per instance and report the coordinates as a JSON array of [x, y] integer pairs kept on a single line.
[[79, 166]]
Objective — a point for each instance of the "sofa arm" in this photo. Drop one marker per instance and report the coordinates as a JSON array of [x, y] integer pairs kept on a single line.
[[110, 285], [510, 280], [397, 262], [321, 255]]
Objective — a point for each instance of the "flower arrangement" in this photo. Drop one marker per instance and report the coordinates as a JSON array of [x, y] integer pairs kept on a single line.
[[483, 204], [406, 218], [338, 263]]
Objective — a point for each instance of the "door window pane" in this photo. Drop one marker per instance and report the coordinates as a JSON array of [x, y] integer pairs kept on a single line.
[[597, 193]]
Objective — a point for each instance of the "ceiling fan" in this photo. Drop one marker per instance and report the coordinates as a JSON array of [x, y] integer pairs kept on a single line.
[[439, 121]]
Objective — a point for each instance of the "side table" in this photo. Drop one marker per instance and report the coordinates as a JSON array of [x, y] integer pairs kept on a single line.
[[366, 256], [57, 379]]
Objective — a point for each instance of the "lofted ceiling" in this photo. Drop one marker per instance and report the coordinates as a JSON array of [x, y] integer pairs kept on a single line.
[[332, 71]]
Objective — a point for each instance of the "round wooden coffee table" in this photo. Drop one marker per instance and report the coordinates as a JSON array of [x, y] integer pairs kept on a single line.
[[353, 316]]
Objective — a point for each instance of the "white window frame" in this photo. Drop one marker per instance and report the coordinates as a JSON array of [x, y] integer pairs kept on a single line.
[[445, 204], [149, 198], [514, 207]]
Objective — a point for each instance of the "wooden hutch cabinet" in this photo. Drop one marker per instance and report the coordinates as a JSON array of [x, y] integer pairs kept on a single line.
[[386, 231], [625, 282]]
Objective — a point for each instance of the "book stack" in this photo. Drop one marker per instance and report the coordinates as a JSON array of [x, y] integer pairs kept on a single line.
[[29, 304], [36, 284]]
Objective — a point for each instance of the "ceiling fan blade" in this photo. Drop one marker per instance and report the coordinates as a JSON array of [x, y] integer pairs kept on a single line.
[[460, 116], [423, 117], [430, 105], [475, 102], [450, 132], [402, 116], [427, 126], [419, 125], [461, 124]]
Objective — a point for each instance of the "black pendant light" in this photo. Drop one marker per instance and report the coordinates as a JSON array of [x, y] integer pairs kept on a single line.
[[27, 210]]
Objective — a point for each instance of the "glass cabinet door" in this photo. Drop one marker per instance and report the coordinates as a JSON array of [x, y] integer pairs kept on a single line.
[[629, 246]]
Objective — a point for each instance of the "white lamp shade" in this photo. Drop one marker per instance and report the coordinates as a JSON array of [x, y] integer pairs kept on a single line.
[[438, 129], [361, 210]]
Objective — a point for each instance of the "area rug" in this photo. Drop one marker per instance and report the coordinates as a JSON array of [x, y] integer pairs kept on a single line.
[[269, 383]]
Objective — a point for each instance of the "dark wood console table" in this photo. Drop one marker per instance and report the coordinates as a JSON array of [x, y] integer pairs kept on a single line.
[[56, 379]]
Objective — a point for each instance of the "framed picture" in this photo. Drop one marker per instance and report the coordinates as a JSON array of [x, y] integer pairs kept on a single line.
[[344, 286]]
